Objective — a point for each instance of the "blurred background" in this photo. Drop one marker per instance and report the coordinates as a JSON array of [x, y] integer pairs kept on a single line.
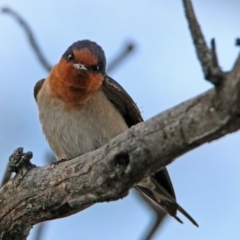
[[161, 71]]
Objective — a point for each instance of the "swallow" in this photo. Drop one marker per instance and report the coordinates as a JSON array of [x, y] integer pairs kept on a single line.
[[81, 109]]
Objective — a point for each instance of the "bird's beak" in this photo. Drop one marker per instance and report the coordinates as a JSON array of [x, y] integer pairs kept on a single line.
[[79, 66]]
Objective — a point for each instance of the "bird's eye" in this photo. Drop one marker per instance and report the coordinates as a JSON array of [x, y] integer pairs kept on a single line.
[[95, 68], [70, 57]]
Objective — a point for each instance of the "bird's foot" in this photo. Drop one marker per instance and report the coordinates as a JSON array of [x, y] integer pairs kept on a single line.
[[20, 161]]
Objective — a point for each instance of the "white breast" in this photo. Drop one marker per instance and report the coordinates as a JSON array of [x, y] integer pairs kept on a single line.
[[72, 132]]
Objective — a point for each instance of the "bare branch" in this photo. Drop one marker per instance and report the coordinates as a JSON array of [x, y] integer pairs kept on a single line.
[[206, 56], [153, 228], [40, 229], [160, 216], [31, 38], [128, 48], [107, 174], [121, 57], [238, 42]]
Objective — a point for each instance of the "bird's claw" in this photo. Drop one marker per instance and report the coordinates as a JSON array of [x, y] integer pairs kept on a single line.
[[20, 161]]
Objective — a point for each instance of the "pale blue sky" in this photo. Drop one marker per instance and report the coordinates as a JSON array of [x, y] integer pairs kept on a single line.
[[162, 72]]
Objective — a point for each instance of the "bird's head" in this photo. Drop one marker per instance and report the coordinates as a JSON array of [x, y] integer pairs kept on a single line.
[[81, 68], [83, 65]]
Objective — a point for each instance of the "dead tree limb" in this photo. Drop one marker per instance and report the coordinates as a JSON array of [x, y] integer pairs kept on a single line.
[[159, 219], [108, 173], [40, 230], [38, 194]]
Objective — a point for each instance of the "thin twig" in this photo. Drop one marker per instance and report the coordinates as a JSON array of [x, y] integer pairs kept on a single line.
[[160, 216], [40, 229], [128, 49], [7, 175], [31, 38], [238, 42], [207, 57], [156, 226]]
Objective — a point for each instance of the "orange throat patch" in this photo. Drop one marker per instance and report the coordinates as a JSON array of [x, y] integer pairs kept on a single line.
[[71, 86]]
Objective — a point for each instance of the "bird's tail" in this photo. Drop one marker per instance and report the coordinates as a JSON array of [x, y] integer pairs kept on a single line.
[[156, 191]]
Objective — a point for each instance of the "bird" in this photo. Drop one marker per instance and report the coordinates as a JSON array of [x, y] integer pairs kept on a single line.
[[81, 109]]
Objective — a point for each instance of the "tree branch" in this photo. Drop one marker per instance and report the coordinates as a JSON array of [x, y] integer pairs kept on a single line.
[[109, 172], [31, 38], [128, 48], [206, 56], [40, 229], [158, 221], [121, 57]]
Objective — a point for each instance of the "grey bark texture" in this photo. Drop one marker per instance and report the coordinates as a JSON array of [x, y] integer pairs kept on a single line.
[[38, 194]]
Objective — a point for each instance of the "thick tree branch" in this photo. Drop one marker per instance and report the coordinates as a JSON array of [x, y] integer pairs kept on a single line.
[[108, 173], [159, 219], [238, 42]]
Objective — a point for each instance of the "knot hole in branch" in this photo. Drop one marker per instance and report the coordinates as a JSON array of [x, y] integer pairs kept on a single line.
[[121, 160]]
